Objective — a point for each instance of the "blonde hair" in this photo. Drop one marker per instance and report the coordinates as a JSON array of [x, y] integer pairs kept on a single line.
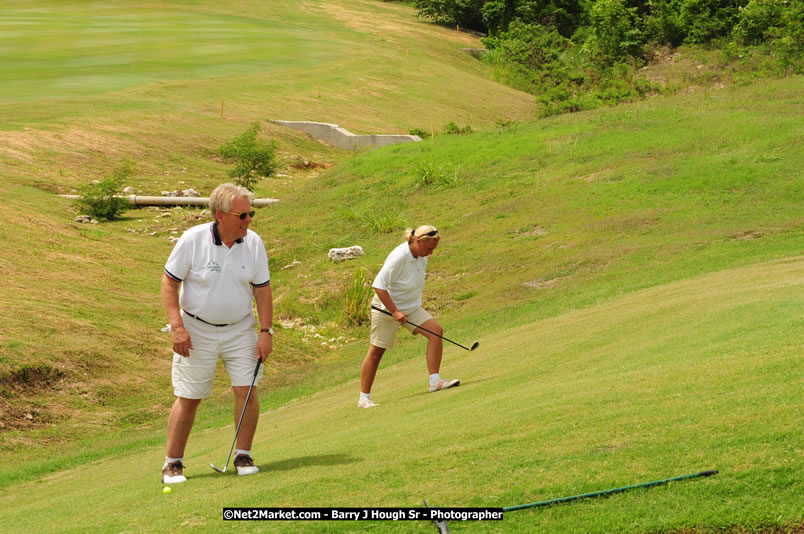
[[222, 196], [422, 233]]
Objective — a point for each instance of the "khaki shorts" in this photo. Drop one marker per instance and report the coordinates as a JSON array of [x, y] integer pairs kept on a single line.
[[235, 344], [384, 327]]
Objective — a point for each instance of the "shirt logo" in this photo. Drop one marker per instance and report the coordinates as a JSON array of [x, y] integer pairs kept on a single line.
[[213, 266]]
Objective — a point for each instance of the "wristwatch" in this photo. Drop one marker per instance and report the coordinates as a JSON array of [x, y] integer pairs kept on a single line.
[[269, 330]]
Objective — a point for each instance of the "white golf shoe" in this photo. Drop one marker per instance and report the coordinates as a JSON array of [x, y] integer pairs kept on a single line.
[[173, 473], [443, 384], [366, 403], [245, 465]]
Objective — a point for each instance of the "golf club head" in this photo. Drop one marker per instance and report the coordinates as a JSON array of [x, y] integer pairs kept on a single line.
[[475, 345], [218, 469]]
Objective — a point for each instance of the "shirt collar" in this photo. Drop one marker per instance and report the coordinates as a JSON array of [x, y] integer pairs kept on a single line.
[[216, 238], [409, 253]]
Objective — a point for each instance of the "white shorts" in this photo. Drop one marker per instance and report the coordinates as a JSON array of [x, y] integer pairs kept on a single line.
[[384, 327], [235, 344]]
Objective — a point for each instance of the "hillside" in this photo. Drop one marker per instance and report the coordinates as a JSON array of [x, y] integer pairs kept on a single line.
[[89, 298]]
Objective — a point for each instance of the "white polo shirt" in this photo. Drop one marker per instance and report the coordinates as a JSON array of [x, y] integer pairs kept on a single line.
[[217, 281], [402, 276]]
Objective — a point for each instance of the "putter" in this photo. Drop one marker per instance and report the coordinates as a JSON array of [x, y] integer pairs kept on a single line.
[[474, 345], [237, 431]]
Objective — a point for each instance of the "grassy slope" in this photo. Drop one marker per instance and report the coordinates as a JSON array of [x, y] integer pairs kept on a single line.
[[584, 210], [87, 294], [640, 387]]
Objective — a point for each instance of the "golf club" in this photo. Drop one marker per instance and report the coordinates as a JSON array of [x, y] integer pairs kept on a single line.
[[474, 345], [237, 431], [441, 525]]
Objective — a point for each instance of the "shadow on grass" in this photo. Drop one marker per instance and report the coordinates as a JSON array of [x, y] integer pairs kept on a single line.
[[463, 385], [292, 463], [305, 461]]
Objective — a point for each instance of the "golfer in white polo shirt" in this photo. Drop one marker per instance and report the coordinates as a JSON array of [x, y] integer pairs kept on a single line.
[[211, 278], [398, 290]]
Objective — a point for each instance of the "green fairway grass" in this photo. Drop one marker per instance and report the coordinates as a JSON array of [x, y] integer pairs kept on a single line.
[[78, 50], [634, 276], [694, 375]]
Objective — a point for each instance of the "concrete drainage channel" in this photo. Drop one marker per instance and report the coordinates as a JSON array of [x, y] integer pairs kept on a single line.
[[344, 139]]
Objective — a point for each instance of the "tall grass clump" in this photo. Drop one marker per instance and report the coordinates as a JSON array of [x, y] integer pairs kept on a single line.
[[383, 221], [437, 174], [358, 296]]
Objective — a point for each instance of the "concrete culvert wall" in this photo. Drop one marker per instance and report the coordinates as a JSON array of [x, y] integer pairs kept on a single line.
[[344, 139]]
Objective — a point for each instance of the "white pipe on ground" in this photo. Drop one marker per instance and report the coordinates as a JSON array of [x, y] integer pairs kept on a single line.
[[140, 200]]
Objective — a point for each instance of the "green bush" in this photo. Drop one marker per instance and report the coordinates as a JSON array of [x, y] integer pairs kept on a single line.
[[707, 20], [615, 31], [424, 134], [102, 199], [757, 19], [453, 129], [463, 13], [253, 158], [661, 24]]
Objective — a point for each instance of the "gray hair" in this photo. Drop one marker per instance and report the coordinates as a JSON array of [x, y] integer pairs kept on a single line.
[[421, 233], [222, 196]]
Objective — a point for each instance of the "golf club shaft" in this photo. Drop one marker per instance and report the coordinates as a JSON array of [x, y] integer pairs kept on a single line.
[[607, 492], [240, 422], [386, 312]]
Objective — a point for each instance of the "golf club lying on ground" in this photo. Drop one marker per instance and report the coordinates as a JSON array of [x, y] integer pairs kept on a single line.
[[386, 312], [237, 431], [441, 525], [608, 492]]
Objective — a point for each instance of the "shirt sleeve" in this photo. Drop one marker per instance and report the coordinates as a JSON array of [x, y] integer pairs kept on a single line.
[[388, 273], [178, 263], [262, 274]]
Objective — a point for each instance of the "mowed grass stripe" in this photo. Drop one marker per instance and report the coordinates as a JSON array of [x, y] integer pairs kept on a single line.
[[79, 51]]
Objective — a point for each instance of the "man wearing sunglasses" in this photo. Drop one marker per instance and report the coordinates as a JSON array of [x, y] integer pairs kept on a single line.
[[211, 279]]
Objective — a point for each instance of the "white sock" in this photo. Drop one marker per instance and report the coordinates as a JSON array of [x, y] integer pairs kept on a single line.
[[365, 396], [434, 378], [238, 452], [169, 460]]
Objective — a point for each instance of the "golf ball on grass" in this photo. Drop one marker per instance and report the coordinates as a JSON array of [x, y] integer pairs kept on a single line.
[[167, 490]]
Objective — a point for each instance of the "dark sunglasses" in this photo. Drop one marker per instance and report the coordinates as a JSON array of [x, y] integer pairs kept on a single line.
[[431, 233], [242, 214]]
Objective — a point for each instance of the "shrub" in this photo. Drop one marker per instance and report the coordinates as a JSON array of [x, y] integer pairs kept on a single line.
[[102, 199], [424, 134], [615, 30], [707, 20], [452, 129], [253, 158], [463, 13], [662, 24]]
